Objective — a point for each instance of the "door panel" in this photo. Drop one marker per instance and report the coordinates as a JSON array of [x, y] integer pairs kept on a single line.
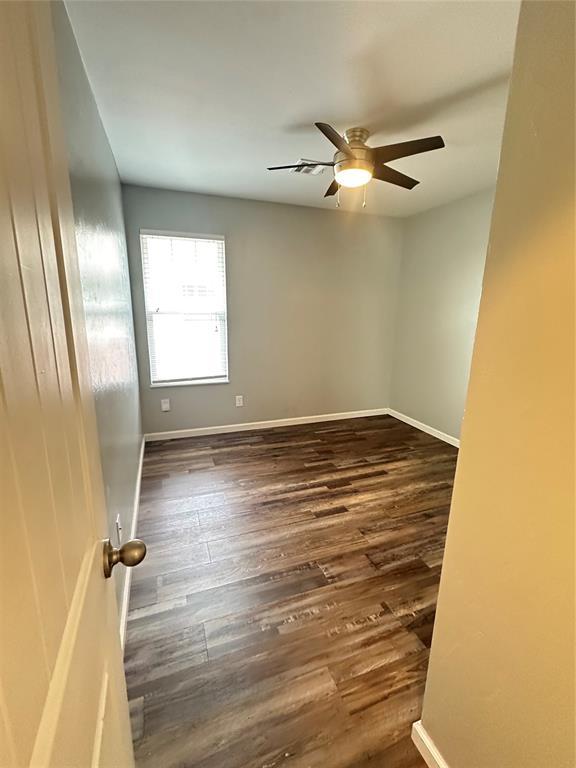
[[77, 701], [62, 690]]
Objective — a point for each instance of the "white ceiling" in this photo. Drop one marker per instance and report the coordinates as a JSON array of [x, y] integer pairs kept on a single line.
[[202, 96]]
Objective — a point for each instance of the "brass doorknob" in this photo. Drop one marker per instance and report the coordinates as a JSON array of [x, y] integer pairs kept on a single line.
[[130, 554]]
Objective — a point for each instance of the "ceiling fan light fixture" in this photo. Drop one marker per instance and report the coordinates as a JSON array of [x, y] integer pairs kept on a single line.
[[353, 177], [355, 163], [353, 173]]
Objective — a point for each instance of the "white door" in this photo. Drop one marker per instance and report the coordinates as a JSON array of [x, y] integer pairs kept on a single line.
[[62, 691]]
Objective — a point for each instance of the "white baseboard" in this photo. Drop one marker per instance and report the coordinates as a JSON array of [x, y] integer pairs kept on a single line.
[[175, 434], [128, 579], [197, 431], [424, 427], [424, 744]]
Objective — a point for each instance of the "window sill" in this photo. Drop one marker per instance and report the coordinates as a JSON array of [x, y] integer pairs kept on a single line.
[[191, 383]]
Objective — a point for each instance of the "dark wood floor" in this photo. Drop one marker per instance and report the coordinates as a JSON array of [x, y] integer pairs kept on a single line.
[[283, 615]]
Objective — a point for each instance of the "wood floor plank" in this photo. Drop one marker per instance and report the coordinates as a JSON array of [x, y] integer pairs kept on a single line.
[[284, 614]]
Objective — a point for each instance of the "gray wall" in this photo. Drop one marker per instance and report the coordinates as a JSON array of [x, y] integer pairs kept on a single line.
[[105, 282], [439, 294], [311, 302]]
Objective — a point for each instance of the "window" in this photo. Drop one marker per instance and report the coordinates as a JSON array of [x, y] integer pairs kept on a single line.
[[185, 298]]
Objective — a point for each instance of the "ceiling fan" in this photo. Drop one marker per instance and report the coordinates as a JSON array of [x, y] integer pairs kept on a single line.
[[355, 164]]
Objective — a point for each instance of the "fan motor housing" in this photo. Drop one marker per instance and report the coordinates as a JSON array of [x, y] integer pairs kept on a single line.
[[362, 159]]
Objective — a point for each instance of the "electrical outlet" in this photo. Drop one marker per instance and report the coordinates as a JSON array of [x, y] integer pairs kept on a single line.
[[239, 401], [165, 404], [118, 530]]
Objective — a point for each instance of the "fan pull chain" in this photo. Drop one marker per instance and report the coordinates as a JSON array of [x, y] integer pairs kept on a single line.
[[364, 200], [338, 197]]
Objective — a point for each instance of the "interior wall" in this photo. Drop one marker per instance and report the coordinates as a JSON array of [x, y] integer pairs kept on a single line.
[[103, 262], [311, 307], [443, 258], [500, 688]]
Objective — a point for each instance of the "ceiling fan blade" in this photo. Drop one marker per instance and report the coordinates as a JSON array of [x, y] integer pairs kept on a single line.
[[392, 176], [406, 148], [333, 136], [298, 165], [332, 189]]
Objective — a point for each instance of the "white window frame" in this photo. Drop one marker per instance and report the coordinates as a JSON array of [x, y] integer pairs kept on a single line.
[[184, 382]]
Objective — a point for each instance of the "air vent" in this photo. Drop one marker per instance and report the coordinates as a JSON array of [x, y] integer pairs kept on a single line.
[[312, 170]]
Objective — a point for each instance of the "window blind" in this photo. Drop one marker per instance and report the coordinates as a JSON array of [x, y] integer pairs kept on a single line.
[[185, 298]]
